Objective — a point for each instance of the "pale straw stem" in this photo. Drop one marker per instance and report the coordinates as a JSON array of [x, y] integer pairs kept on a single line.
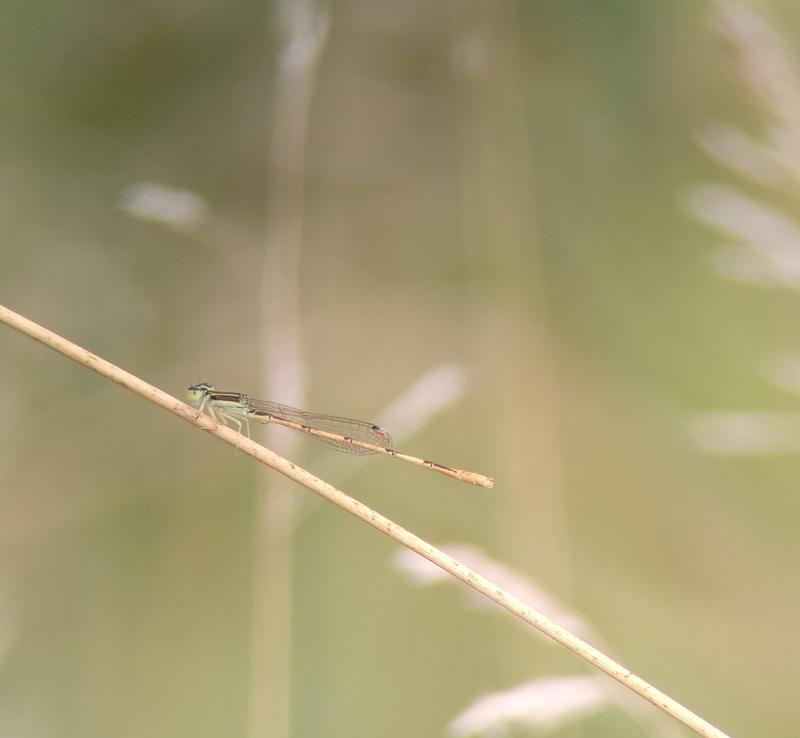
[[479, 583]]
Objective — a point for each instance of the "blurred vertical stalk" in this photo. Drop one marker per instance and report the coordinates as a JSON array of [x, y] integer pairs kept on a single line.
[[500, 221], [304, 27]]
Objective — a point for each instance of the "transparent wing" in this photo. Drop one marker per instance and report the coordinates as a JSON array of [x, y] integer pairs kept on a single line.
[[358, 430]]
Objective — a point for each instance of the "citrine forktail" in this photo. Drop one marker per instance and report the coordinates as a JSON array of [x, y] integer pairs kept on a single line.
[[342, 434]]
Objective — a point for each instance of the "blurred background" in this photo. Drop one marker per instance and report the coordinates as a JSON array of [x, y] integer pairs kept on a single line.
[[553, 242]]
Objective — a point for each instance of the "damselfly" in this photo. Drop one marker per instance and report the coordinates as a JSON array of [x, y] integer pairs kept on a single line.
[[343, 434]]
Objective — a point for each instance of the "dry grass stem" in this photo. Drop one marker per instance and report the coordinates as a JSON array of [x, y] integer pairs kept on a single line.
[[376, 520]]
